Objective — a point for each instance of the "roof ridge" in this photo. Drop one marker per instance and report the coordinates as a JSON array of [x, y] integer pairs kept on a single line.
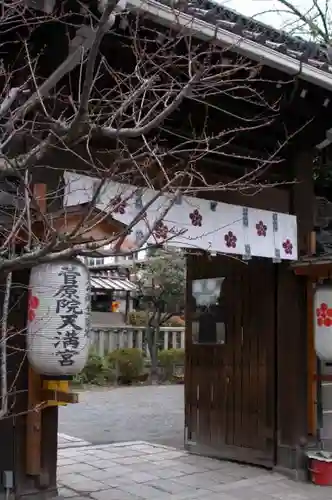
[[249, 28]]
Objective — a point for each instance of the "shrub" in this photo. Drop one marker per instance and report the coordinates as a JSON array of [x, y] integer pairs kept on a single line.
[[168, 359], [94, 372], [129, 362], [138, 318]]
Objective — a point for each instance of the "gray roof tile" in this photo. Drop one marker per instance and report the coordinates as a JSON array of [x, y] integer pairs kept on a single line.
[[278, 40]]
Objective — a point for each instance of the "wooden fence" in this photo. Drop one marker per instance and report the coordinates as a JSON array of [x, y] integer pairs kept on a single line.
[[106, 339]]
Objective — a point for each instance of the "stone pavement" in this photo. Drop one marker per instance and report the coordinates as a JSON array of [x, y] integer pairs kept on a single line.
[[143, 471], [65, 441]]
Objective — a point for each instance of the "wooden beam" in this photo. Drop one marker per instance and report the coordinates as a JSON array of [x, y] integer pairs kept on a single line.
[[315, 270], [311, 361]]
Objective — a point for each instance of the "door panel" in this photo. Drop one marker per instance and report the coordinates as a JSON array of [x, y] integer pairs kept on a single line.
[[230, 389]]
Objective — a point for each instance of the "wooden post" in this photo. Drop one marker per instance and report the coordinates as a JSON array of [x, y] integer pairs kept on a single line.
[[174, 340], [165, 332], [34, 417], [304, 203], [34, 425], [19, 432], [127, 306], [312, 363]]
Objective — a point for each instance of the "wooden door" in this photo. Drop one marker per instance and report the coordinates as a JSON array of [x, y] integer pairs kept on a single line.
[[230, 382]]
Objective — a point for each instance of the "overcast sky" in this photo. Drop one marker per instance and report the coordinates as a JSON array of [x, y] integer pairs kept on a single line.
[[253, 7]]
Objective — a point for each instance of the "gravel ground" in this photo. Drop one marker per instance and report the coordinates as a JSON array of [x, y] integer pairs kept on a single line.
[[148, 413]]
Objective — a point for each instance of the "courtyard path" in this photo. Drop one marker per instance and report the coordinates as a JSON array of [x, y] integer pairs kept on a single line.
[[147, 413]]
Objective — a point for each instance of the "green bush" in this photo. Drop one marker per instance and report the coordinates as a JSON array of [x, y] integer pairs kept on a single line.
[[170, 358], [138, 318], [128, 362], [94, 372]]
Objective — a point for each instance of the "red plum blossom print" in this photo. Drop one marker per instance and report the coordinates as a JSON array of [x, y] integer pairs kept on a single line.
[[261, 228], [324, 315], [230, 239], [33, 304], [196, 218], [288, 247], [161, 231], [119, 205]]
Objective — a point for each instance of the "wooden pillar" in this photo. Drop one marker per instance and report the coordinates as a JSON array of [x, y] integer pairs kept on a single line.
[[14, 429], [35, 433], [34, 415], [311, 362], [304, 200], [127, 305], [304, 205], [295, 376], [7, 429]]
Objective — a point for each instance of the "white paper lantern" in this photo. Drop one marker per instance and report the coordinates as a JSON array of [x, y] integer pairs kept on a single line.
[[58, 318], [323, 322]]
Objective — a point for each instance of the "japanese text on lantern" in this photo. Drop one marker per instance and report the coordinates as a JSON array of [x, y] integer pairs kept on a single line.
[[68, 307], [324, 315], [88, 307]]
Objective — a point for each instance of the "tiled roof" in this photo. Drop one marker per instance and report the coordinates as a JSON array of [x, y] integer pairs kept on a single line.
[[250, 29], [111, 279]]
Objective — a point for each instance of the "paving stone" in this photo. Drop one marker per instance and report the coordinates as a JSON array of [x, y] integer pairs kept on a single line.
[[66, 461], [106, 455], [145, 491], [163, 455], [218, 496], [193, 494], [173, 476], [84, 484], [114, 494], [100, 463], [169, 486], [116, 482], [99, 474], [76, 467], [130, 460], [118, 470], [67, 493], [168, 473], [141, 477]]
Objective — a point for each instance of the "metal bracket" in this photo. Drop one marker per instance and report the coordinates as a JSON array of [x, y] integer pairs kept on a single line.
[[213, 206], [178, 199], [277, 257], [247, 252], [139, 236], [275, 222], [138, 200], [245, 218]]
